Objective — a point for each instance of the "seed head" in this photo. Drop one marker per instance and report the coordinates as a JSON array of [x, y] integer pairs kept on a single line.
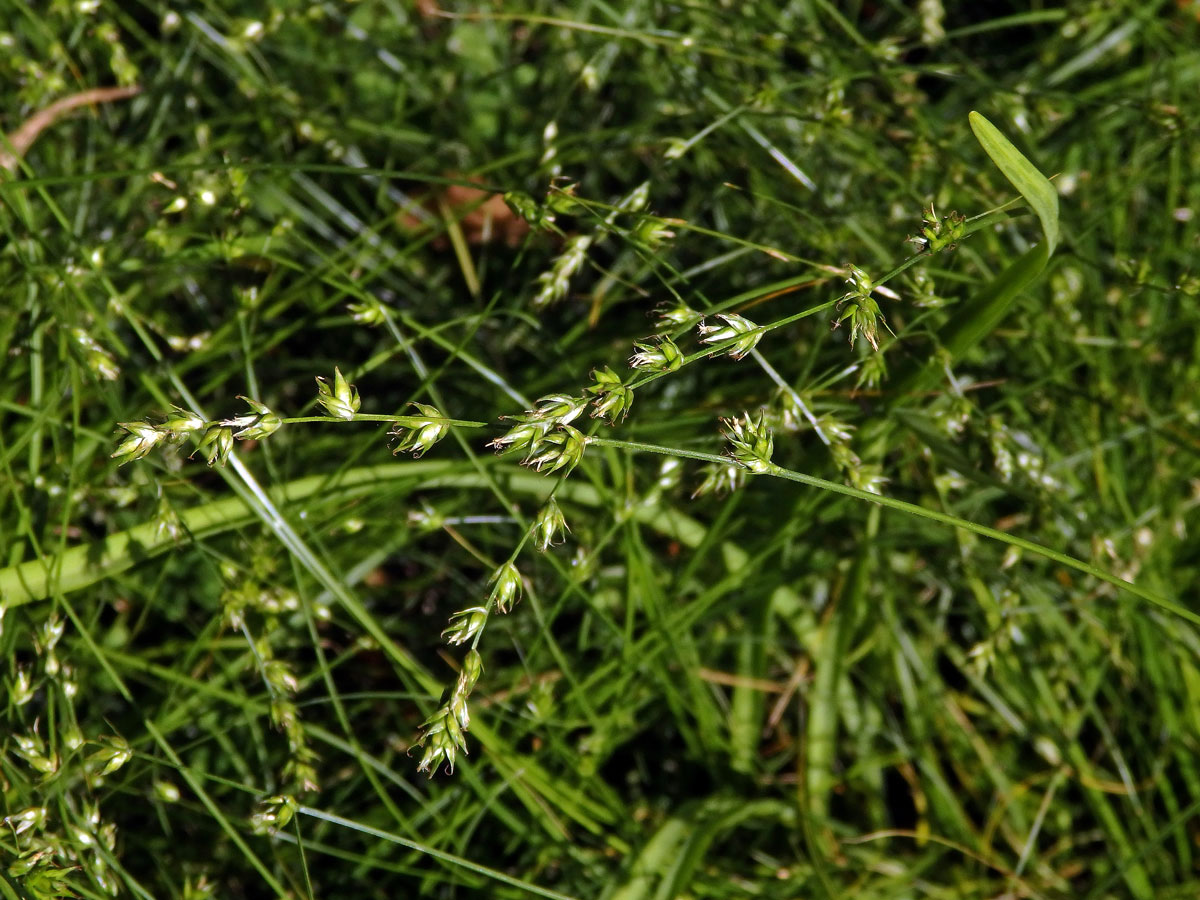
[[506, 587], [561, 409], [98, 359], [114, 752], [341, 400], [256, 425], [867, 477], [549, 527], [442, 737], [553, 283], [471, 670], [142, 437], [465, 624], [561, 449], [418, 436], [273, 814], [20, 822], [370, 313], [657, 354], [720, 480], [861, 309], [216, 443], [472, 667], [939, 233], [677, 315], [635, 199], [744, 334], [21, 690], [651, 231], [611, 399], [33, 751], [538, 216], [525, 435], [750, 442], [181, 422]]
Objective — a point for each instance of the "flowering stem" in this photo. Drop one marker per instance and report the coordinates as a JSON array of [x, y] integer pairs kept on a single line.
[[924, 513], [434, 852], [974, 224], [401, 420]]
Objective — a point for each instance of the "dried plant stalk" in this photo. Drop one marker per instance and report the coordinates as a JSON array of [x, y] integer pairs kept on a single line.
[[19, 141]]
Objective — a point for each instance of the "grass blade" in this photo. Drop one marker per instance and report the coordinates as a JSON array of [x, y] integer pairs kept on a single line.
[[1024, 175]]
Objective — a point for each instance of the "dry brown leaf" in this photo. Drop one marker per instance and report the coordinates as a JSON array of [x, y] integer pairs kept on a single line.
[[482, 215], [22, 139]]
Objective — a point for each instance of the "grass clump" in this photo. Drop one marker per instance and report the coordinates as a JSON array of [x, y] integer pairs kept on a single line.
[[849, 349]]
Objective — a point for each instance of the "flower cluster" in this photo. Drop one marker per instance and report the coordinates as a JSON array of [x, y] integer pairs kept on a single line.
[[253, 606], [535, 214], [214, 439], [549, 526], [677, 315], [443, 734], [259, 423], [720, 479], [651, 231], [939, 233], [750, 442], [506, 587], [611, 399], [273, 814], [743, 333], [341, 400], [555, 281], [860, 308], [656, 354], [418, 433], [441, 737], [544, 435]]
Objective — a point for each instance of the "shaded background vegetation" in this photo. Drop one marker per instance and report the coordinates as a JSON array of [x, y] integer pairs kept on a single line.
[[775, 692]]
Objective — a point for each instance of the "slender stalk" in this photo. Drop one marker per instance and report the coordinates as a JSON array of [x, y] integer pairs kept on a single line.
[[925, 513], [399, 420]]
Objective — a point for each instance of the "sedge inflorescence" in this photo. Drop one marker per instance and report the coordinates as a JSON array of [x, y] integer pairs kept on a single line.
[[551, 437]]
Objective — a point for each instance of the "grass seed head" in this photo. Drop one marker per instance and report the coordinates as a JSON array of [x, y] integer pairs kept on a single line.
[[720, 480], [141, 438], [179, 423], [465, 624], [611, 399], [524, 436], [677, 315], [744, 334], [860, 308], [750, 442], [471, 669], [656, 354], [441, 737], [549, 527], [560, 449], [561, 409], [417, 437], [215, 444], [256, 425], [273, 814], [507, 587], [341, 400]]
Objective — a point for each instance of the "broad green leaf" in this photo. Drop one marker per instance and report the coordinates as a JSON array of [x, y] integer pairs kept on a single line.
[[1037, 190]]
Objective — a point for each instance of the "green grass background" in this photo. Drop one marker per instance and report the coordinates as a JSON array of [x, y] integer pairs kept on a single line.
[[778, 692]]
